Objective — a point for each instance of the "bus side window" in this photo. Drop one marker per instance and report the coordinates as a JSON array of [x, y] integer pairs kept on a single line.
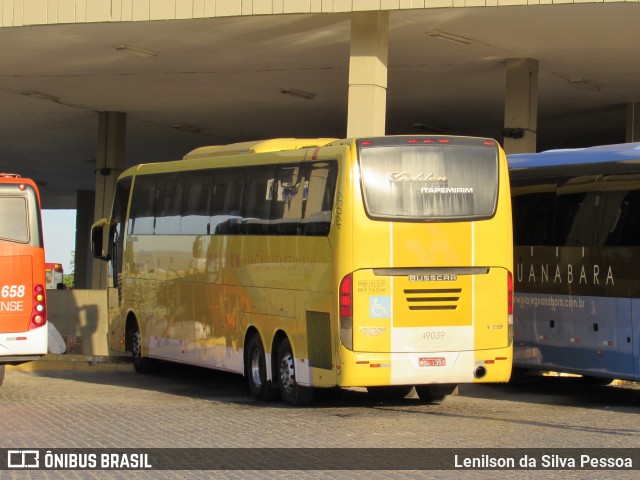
[[196, 204], [258, 196], [567, 208], [625, 231], [533, 216], [319, 193], [169, 200], [286, 205], [226, 202], [141, 216]]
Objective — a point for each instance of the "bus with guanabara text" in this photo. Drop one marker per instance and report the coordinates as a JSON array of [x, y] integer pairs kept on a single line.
[[576, 215], [383, 263], [23, 319]]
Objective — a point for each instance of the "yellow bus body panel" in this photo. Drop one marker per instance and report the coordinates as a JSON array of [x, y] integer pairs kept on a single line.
[[197, 297]]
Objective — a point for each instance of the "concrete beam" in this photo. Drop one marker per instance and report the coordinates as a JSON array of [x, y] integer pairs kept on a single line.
[[368, 74], [633, 122], [109, 164], [521, 106]]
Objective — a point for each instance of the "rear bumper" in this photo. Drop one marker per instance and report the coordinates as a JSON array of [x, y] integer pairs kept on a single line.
[[363, 369], [17, 348]]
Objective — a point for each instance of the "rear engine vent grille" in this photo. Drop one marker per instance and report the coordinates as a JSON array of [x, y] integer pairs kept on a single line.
[[433, 299]]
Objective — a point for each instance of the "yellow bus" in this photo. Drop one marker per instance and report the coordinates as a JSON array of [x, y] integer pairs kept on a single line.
[[383, 263]]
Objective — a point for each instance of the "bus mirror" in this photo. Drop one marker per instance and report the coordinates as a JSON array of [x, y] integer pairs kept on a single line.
[[98, 243]]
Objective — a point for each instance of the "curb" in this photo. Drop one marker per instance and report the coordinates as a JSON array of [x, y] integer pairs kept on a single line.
[[81, 363]]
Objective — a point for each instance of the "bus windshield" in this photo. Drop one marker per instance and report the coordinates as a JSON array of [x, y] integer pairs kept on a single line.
[[14, 225], [435, 181]]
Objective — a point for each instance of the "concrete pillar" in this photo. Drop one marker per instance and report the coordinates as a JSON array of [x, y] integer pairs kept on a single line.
[[368, 74], [112, 128], [521, 106], [633, 122], [84, 219]]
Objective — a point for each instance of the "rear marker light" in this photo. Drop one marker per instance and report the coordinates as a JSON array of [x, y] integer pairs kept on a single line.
[[346, 297], [346, 311], [510, 293], [38, 314]]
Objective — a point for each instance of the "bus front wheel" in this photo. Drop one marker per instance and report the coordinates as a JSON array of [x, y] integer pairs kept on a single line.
[[140, 363], [256, 372], [291, 392], [1, 374]]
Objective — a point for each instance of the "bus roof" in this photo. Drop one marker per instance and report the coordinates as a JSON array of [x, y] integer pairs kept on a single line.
[[17, 179], [258, 146], [628, 153]]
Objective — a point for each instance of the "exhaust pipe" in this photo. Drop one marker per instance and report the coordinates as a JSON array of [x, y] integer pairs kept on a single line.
[[480, 372]]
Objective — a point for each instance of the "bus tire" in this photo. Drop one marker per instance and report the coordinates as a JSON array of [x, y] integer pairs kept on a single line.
[[394, 392], [256, 371], [596, 381], [140, 363], [290, 391], [434, 394], [1, 374]]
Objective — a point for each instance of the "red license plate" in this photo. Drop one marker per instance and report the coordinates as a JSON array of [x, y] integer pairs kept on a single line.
[[433, 362]]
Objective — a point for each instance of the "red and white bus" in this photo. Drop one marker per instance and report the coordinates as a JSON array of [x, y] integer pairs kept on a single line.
[[54, 274], [23, 312]]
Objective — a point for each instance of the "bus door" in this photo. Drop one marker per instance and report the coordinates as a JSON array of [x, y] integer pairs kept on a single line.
[[107, 237], [634, 337]]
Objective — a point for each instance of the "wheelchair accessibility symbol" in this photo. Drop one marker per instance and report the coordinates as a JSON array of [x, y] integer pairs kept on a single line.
[[380, 307]]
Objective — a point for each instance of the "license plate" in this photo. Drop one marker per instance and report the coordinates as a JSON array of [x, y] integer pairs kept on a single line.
[[433, 362]]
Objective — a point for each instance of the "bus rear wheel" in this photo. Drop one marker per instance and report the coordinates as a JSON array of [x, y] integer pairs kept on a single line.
[[290, 391], [389, 393], [256, 372], [434, 393], [1, 374], [140, 363]]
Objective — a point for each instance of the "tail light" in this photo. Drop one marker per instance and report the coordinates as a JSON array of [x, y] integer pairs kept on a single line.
[[346, 311], [39, 311], [510, 293], [510, 304]]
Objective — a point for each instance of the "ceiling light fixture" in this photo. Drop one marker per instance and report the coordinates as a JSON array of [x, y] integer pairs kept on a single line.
[[187, 128], [298, 93], [586, 83], [41, 96], [136, 51], [427, 128], [449, 37]]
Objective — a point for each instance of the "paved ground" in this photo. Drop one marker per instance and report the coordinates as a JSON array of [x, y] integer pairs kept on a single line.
[[182, 407]]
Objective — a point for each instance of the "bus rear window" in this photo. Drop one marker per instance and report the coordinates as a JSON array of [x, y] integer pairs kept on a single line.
[[14, 225], [429, 182]]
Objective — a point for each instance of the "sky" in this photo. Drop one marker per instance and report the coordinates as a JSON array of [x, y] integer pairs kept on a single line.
[[59, 230]]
